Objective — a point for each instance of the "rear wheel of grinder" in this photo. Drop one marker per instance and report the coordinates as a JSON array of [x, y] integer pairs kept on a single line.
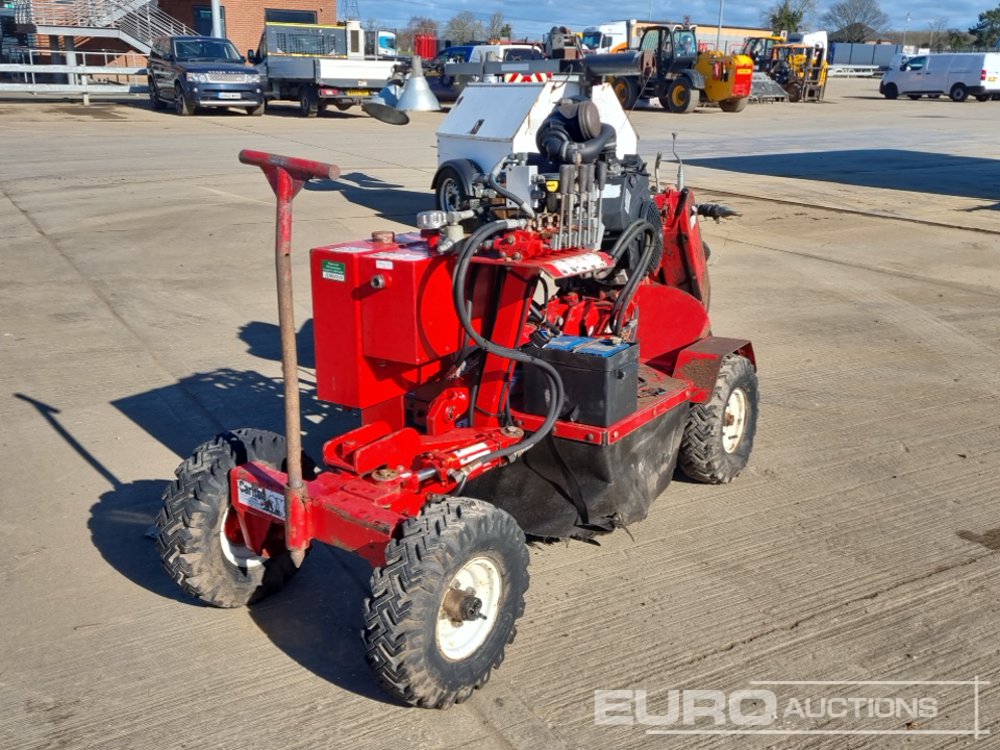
[[718, 436], [200, 540], [445, 605]]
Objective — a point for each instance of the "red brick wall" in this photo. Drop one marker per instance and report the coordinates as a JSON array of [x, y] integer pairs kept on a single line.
[[245, 18]]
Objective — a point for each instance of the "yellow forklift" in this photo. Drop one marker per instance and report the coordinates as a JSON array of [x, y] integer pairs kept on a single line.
[[801, 70], [759, 48]]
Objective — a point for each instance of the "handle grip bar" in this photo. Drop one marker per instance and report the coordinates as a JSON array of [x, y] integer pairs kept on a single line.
[[300, 169]]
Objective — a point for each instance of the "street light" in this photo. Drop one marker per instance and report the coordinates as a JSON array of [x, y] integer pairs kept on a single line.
[[905, 27], [718, 34]]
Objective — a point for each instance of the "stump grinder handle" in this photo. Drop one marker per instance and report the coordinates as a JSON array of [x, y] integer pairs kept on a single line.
[[287, 175], [300, 169]]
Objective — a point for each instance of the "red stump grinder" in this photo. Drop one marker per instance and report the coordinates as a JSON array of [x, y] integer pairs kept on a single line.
[[543, 375]]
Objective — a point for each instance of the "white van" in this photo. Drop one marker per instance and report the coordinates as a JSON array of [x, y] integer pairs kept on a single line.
[[958, 75]]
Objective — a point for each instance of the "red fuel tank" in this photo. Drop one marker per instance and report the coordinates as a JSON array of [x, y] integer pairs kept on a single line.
[[384, 320]]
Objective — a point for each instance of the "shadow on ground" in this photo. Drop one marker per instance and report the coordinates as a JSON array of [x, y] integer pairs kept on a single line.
[[990, 539], [185, 414], [317, 619], [894, 169], [389, 200]]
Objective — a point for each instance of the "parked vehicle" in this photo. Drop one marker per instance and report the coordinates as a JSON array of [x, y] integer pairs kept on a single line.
[[801, 70], [758, 49], [959, 75], [616, 36], [202, 71], [447, 86], [682, 77], [318, 65], [380, 43]]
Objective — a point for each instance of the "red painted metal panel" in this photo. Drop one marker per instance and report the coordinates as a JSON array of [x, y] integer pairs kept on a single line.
[[344, 307]]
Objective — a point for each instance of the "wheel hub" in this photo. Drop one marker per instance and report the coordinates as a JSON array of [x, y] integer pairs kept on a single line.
[[231, 540], [451, 196], [734, 420], [463, 606], [469, 609]]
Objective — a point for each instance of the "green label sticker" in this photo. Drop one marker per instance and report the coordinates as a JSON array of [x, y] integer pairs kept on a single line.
[[334, 271]]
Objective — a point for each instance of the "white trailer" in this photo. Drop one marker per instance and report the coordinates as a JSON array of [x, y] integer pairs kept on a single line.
[[492, 120]]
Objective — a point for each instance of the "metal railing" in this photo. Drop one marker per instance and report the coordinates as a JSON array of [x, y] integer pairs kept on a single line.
[[140, 19], [84, 73], [854, 71]]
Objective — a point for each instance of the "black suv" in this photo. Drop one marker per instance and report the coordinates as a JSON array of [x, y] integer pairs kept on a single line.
[[202, 71]]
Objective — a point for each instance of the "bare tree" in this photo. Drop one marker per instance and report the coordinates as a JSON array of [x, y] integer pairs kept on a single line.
[[495, 26], [938, 28], [855, 20], [789, 15], [464, 27]]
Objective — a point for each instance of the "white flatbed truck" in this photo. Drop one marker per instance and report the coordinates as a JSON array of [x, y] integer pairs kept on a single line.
[[319, 65]]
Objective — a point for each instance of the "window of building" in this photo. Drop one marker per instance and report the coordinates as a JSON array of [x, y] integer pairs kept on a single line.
[[279, 15], [203, 19]]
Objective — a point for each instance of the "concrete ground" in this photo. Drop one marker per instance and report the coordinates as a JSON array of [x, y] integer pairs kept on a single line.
[[137, 319]]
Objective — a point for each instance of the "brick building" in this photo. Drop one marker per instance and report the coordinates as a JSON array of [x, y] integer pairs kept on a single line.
[[243, 20]]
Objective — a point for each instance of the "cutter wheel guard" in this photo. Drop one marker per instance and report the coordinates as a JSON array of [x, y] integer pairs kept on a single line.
[[536, 358]]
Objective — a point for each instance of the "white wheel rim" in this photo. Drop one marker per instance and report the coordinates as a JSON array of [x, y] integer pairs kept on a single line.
[[734, 420], [237, 554], [459, 640]]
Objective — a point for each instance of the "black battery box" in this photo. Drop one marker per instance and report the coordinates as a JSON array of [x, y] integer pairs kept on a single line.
[[600, 377]]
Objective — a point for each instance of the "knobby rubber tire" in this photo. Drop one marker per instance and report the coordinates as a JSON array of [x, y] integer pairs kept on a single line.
[[194, 509], [702, 455], [401, 615]]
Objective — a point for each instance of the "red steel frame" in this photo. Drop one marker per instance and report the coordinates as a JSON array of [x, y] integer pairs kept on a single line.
[[383, 471]]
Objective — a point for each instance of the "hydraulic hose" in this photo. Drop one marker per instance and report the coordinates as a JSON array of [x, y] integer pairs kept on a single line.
[[468, 249], [555, 142], [637, 228], [522, 204], [630, 233]]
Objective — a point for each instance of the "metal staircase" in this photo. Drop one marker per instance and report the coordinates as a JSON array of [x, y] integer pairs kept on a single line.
[[135, 22]]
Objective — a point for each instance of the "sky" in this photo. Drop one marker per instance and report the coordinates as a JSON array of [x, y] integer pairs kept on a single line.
[[533, 18]]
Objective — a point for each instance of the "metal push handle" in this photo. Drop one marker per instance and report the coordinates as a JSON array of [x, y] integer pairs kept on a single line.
[[299, 169], [287, 175]]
